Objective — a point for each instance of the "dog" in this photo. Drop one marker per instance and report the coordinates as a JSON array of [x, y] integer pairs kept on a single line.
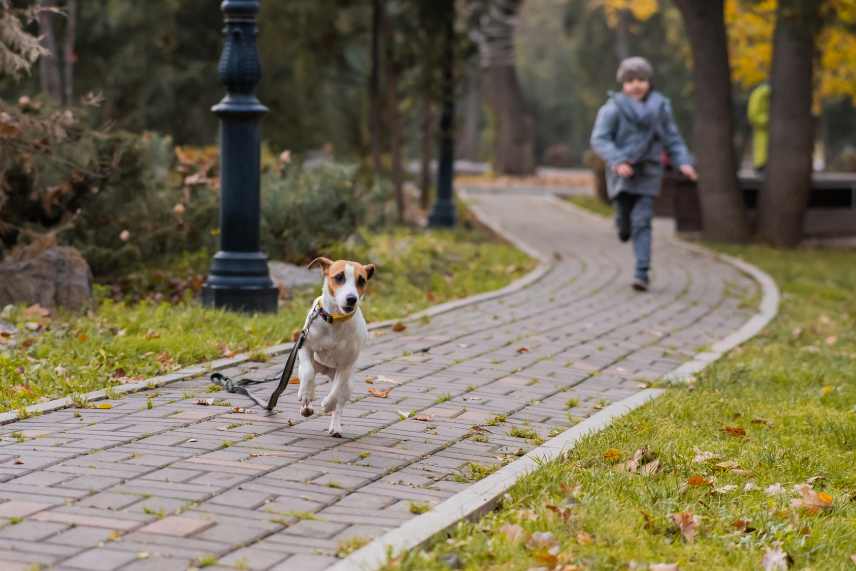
[[335, 338]]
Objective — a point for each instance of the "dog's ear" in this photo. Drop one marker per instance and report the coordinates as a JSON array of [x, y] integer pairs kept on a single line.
[[321, 261], [370, 270]]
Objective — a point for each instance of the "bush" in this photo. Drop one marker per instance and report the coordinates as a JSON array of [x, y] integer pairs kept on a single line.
[[305, 210]]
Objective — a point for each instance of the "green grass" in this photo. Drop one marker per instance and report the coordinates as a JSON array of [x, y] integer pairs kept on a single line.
[[792, 390], [592, 204], [126, 341]]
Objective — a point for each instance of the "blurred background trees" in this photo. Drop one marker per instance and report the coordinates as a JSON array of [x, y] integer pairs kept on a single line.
[[357, 81]]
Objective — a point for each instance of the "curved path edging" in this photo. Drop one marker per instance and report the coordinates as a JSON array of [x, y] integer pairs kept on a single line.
[[482, 496], [192, 371]]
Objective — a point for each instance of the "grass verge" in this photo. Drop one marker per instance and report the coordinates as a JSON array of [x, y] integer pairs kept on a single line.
[[749, 465], [124, 341]]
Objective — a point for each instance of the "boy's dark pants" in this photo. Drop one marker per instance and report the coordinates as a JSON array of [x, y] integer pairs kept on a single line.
[[633, 213]]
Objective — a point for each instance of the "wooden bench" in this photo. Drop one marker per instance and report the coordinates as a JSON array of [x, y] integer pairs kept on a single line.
[[831, 210]]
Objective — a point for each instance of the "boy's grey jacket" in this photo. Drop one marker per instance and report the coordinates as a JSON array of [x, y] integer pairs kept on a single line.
[[635, 132]]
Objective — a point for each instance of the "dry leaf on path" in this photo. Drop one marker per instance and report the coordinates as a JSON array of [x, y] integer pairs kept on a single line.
[[104, 405], [687, 523], [523, 350], [294, 381], [379, 393], [422, 418], [513, 532], [775, 559], [205, 402], [399, 327]]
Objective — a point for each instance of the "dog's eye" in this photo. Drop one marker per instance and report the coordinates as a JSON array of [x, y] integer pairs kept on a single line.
[[361, 282], [340, 278]]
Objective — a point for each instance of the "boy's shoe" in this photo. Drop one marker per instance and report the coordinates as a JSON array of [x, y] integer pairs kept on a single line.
[[640, 285]]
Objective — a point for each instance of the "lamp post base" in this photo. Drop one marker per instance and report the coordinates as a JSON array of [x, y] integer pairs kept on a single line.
[[239, 281], [442, 215]]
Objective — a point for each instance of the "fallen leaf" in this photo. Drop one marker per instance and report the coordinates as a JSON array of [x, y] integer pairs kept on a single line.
[[584, 538], [740, 524], [512, 532], [422, 418], [379, 393], [612, 455], [704, 456], [228, 353], [775, 559], [294, 381], [687, 523], [542, 540], [697, 481], [399, 327], [735, 431], [523, 350], [564, 513], [104, 405], [205, 402], [827, 390], [728, 465], [370, 380], [811, 501]]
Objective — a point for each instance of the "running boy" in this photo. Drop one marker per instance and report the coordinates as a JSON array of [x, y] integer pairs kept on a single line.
[[631, 131]]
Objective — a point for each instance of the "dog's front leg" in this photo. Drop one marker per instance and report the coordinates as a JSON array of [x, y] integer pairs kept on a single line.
[[337, 399], [306, 374]]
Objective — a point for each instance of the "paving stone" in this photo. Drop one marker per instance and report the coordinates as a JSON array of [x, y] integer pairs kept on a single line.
[[177, 525], [100, 560], [21, 509]]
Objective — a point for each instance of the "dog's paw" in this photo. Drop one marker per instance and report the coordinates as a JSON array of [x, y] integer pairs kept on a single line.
[[334, 433], [335, 429], [329, 404], [306, 409]]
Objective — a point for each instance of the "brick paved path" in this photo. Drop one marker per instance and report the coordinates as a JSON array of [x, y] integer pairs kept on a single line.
[[159, 482]]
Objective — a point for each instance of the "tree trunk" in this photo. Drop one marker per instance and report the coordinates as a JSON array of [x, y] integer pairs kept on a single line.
[[395, 136], [49, 69], [427, 149], [70, 54], [785, 194], [514, 150], [468, 148], [375, 101], [622, 35], [723, 212]]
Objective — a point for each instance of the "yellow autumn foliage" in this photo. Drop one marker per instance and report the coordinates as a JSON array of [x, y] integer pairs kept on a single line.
[[640, 9], [750, 36]]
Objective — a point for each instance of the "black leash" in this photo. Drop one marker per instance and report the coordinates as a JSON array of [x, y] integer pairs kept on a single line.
[[240, 386]]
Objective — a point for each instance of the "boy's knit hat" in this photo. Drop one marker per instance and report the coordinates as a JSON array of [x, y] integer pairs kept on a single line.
[[634, 68]]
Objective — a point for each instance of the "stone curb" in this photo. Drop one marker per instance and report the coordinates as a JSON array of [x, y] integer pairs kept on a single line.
[[192, 371], [482, 496]]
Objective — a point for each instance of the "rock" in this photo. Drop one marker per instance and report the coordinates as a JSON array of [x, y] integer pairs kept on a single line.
[[58, 276], [289, 276]]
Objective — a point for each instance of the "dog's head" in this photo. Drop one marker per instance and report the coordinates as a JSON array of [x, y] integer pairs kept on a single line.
[[345, 280]]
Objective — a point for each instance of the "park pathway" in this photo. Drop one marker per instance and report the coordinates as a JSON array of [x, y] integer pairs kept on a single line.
[[159, 482]]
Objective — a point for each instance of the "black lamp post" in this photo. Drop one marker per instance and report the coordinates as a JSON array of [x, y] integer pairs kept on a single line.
[[239, 278], [443, 213]]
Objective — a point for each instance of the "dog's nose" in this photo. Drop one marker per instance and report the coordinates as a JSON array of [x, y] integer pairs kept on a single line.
[[351, 300]]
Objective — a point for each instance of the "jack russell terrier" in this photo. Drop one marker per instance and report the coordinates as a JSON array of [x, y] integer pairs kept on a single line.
[[333, 343]]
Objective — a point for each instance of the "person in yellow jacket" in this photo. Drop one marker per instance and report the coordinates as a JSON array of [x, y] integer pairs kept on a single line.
[[759, 117]]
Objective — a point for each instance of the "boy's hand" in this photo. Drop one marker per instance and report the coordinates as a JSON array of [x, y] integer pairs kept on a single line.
[[689, 172], [623, 170]]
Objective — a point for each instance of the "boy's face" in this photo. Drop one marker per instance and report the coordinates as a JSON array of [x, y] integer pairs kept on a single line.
[[636, 88]]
